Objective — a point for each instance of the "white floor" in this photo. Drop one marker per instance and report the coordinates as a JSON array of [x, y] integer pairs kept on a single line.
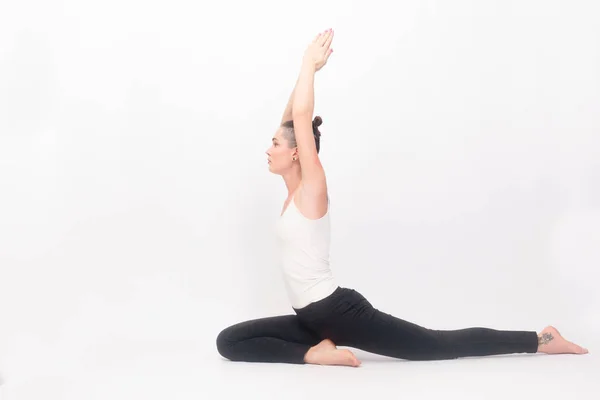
[[185, 370]]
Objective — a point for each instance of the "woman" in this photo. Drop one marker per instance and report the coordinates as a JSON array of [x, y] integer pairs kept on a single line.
[[327, 314]]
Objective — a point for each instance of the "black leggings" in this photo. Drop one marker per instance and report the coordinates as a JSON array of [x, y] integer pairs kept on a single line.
[[348, 319]]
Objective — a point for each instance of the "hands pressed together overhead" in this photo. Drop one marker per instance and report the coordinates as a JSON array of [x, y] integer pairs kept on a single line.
[[318, 52]]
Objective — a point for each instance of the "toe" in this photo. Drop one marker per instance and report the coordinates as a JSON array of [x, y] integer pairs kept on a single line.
[[353, 358], [576, 348], [582, 350]]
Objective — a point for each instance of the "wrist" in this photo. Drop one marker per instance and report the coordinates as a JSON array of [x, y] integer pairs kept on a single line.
[[308, 66]]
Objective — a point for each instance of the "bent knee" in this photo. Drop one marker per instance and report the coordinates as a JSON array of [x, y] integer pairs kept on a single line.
[[225, 343]]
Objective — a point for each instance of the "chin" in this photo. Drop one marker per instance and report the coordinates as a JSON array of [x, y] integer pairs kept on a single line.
[[273, 171]]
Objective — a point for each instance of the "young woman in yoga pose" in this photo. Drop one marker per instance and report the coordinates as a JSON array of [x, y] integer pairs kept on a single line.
[[326, 314]]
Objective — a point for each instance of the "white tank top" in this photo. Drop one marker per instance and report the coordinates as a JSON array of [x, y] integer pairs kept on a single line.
[[305, 256]]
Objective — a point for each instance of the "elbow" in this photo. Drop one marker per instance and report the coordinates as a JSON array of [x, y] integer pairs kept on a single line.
[[301, 112]]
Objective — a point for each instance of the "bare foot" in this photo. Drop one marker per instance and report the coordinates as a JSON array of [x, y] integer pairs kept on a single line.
[[550, 341], [325, 353]]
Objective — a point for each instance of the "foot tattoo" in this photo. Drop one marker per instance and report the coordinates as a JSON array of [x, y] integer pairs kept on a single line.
[[550, 341], [545, 338]]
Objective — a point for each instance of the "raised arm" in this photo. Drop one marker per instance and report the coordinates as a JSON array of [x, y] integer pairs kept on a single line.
[[287, 113], [315, 57]]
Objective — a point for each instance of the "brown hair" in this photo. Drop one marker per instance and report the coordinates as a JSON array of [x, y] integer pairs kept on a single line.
[[291, 138]]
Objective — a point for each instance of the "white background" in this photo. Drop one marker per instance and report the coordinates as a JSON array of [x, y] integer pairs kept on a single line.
[[461, 142]]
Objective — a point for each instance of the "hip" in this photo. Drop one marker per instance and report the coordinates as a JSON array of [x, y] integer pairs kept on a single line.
[[344, 303]]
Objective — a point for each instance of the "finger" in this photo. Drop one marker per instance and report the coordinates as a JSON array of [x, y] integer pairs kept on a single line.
[[316, 39], [324, 37], [328, 54], [328, 40]]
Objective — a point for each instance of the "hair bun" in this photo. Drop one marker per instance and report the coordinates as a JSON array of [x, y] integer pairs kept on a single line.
[[317, 122]]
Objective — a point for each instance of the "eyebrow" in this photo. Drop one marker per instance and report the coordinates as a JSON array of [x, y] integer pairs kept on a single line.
[[274, 139]]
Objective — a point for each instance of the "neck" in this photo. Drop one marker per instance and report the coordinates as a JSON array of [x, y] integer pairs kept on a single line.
[[292, 180]]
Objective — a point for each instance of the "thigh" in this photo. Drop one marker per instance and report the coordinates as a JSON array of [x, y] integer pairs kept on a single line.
[[284, 327], [381, 333], [351, 320]]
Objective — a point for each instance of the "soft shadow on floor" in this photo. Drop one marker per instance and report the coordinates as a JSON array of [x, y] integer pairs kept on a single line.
[[370, 357]]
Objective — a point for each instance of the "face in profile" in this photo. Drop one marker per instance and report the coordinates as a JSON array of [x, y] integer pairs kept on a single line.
[[280, 155]]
